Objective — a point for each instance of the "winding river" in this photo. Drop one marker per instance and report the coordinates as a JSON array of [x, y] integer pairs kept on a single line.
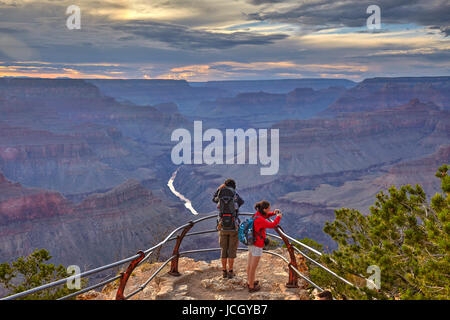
[[187, 202]]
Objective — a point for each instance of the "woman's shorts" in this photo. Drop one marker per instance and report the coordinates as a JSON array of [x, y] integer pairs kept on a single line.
[[228, 241], [255, 251]]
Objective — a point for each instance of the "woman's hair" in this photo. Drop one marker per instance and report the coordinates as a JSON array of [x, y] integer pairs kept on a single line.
[[230, 183], [260, 206]]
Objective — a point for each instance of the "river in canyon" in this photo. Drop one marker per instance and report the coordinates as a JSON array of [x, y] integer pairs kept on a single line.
[[187, 202]]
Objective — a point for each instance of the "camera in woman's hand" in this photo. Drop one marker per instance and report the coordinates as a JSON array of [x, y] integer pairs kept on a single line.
[[278, 213]]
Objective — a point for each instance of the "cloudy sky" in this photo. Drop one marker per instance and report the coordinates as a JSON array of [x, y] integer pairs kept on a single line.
[[201, 40]]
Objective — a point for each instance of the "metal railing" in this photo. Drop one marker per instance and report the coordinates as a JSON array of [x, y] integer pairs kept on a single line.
[[142, 256]]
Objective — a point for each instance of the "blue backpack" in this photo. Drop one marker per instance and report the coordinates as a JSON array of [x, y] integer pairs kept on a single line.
[[247, 232]]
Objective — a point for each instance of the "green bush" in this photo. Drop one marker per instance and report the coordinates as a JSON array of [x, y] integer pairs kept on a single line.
[[404, 235], [32, 271]]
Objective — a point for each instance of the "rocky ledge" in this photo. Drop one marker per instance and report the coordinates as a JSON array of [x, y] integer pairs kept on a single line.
[[201, 280]]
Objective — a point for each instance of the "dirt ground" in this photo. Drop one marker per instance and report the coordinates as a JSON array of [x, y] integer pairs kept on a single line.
[[200, 280]]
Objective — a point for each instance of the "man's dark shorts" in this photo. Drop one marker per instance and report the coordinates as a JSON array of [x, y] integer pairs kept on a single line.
[[229, 241]]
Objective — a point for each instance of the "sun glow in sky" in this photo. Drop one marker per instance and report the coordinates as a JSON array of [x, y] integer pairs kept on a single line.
[[217, 40]]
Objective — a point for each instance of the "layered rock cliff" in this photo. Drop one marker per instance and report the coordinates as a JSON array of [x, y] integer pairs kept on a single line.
[[101, 229], [86, 173], [380, 93], [19, 204], [330, 163], [262, 108], [67, 136]]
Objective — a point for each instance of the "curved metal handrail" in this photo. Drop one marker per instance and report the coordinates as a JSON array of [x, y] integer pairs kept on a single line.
[[101, 284], [73, 277], [142, 287], [99, 269], [289, 237], [315, 262], [147, 253]]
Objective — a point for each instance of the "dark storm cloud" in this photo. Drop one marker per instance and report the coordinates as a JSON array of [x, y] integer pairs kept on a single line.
[[352, 13], [185, 38], [440, 57], [444, 29]]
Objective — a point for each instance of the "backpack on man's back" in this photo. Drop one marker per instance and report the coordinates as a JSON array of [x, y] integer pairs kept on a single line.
[[227, 208]]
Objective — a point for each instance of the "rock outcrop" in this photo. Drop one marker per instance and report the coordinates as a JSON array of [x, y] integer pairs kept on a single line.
[[200, 280], [66, 135], [331, 163], [19, 204], [254, 107], [36, 88], [274, 86], [380, 93], [99, 230], [93, 167]]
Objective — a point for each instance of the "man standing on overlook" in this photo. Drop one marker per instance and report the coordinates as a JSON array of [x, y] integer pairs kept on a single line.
[[229, 203]]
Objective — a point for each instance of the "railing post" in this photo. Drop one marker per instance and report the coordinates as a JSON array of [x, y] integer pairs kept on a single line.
[[293, 277], [125, 275], [174, 264]]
